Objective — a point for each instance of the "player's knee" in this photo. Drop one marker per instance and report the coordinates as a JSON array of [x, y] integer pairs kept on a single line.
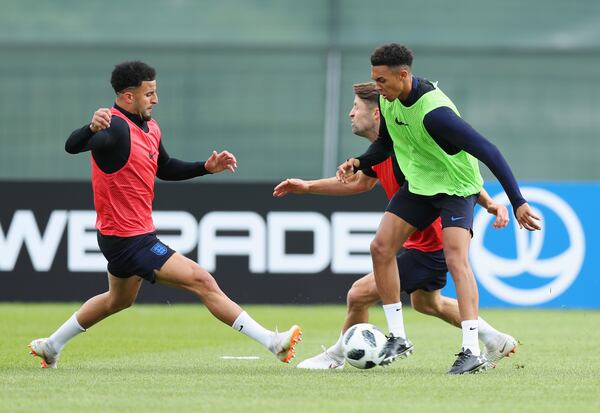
[[356, 297], [381, 250], [202, 281], [121, 303], [458, 265]]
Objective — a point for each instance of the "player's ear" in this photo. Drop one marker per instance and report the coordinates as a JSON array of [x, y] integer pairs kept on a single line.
[[128, 96]]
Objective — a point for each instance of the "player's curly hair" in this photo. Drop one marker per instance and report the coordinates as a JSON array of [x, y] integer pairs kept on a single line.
[[131, 74], [392, 55], [367, 92]]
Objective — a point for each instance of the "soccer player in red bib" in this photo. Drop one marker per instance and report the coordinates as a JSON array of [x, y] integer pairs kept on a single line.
[[127, 154], [421, 262]]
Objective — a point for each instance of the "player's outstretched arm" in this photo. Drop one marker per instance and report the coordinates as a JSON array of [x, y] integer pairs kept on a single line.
[[290, 186], [219, 161], [450, 130], [500, 211], [328, 186], [526, 218]]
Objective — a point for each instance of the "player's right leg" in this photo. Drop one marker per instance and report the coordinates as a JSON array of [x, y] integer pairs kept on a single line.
[[393, 231], [121, 294], [181, 272], [405, 213], [361, 296]]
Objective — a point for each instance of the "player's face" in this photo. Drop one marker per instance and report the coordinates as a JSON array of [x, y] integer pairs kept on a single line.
[[390, 82], [362, 117], [144, 99]]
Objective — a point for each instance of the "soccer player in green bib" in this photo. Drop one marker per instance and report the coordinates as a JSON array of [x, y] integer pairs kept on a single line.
[[438, 152]]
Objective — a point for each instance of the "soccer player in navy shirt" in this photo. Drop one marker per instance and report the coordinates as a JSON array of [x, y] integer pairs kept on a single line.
[[127, 154]]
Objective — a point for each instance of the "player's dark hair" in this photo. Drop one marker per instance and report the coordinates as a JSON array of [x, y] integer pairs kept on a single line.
[[367, 92], [392, 55], [130, 75]]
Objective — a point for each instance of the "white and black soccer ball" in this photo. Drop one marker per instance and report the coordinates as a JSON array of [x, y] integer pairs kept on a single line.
[[364, 346]]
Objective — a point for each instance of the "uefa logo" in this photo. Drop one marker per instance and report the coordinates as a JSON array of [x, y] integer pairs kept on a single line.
[[505, 276]]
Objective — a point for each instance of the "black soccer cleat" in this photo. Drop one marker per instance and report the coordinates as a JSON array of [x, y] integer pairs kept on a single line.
[[395, 348], [467, 362]]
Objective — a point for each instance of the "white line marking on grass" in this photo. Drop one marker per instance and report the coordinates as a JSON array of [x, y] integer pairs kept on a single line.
[[240, 357]]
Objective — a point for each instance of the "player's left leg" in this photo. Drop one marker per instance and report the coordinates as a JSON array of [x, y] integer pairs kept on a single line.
[[361, 296], [457, 221], [497, 344], [181, 272], [456, 248]]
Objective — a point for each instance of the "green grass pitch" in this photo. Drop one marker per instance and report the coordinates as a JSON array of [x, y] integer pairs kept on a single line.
[[169, 358]]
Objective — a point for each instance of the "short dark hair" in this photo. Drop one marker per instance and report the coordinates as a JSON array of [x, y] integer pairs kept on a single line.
[[392, 55], [367, 92], [131, 74]]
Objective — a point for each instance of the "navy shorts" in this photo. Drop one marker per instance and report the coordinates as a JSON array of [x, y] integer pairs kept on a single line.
[[421, 210], [421, 270], [139, 255]]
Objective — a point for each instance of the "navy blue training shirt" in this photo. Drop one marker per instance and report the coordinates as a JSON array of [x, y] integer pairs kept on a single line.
[[452, 134]]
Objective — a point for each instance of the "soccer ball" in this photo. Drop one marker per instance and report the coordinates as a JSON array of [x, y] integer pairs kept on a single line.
[[364, 346]]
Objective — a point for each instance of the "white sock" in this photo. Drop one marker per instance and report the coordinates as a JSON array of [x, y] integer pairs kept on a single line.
[[246, 325], [336, 349], [66, 332], [470, 329], [393, 314], [486, 332]]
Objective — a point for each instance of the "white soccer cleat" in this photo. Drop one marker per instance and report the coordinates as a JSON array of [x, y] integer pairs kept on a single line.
[[323, 361], [502, 346], [283, 345], [44, 350]]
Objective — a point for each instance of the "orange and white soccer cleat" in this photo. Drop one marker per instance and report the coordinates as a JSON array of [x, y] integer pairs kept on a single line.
[[42, 348], [502, 346], [283, 345]]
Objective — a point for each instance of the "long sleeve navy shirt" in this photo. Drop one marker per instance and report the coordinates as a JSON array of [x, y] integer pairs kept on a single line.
[[110, 148], [452, 134]]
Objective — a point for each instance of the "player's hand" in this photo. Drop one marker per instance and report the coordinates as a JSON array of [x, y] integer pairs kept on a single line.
[[100, 120], [218, 162], [345, 171], [290, 186], [527, 219], [501, 213]]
